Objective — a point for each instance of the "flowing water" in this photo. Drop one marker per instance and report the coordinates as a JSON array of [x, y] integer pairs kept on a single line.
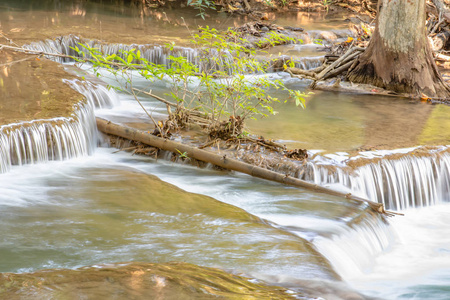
[[69, 203]]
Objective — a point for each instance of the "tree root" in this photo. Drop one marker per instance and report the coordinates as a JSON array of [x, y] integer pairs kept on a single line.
[[336, 68]]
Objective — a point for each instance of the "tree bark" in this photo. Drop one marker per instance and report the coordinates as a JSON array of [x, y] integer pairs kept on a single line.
[[398, 56]]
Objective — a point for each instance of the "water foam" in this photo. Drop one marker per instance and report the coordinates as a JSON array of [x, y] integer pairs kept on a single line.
[[399, 183]]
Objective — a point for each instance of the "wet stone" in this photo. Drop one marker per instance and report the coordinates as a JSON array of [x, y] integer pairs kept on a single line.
[[32, 88]]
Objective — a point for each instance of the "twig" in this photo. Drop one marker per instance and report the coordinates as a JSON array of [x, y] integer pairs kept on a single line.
[[156, 97], [247, 6], [339, 70], [126, 149], [15, 61], [298, 71], [301, 75], [34, 51], [337, 62], [8, 39], [208, 144], [441, 21], [149, 115]]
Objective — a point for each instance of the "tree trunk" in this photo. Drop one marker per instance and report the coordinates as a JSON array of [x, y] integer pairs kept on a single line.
[[398, 56]]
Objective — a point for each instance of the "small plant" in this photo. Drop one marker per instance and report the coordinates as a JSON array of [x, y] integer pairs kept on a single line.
[[318, 41], [326, 4], [202, 6], [224, 88], [283, 3], [273, 38], [183, 155]]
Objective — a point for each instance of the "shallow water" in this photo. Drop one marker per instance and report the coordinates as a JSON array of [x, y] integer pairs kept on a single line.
[[109, 207]]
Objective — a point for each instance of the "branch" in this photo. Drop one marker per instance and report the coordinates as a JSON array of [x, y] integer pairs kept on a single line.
[[156, 97]]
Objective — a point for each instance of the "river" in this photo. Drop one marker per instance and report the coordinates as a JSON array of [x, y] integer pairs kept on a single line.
[[96, 208]]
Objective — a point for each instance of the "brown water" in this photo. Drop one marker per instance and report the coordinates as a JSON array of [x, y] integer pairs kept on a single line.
[[108, 208], [32, 88], [350, 122], [125, 24]]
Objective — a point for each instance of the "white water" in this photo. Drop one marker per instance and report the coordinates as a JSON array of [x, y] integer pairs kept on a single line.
[[160, 55], [373, 256], [361, 252], [418, 264], [408, 258], [43, 140], [399, 184]]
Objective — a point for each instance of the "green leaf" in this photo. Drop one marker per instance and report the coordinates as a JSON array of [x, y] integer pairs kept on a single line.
[[129, 58]]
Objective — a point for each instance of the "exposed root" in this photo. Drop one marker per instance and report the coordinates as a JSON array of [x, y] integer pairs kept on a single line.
[[226, 129]]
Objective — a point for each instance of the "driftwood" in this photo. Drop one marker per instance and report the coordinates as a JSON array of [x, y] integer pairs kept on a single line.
[[337, 67], [225, 162]]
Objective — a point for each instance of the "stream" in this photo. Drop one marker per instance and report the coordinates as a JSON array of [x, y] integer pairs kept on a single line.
[[89, 207]]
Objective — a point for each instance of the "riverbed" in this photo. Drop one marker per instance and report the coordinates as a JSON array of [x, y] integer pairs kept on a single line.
[[102, 208]]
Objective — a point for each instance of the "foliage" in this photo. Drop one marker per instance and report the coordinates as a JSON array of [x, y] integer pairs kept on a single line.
[[273, 38], [201, 6], [228, 83]]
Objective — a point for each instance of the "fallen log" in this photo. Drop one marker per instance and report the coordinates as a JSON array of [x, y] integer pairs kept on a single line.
[[223, 161]]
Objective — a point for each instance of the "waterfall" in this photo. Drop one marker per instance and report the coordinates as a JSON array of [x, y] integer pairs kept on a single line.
[[353, 250], [40, 141], [44, 140], [155, 54], [399, 183], [97, 95], [308, 63]]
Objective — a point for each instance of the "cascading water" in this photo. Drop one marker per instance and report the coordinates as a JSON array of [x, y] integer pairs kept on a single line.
[[155, 54], [353, 247], [44, 140], [97, 95], [372, 250], [398, 183], [59, 138]]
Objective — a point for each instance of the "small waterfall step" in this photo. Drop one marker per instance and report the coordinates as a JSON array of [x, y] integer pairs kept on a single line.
[[413, 179]]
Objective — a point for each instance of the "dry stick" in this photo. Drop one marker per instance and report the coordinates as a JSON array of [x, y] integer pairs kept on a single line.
[[247, 6], [126, 149], [318, 69], [300, 75], [149, 115], [156, 97], [337, 62], [339, 70], [222, 161], [16, 61], [440, 56], [442, 10], [8, 39], [21, 49], [298, 71], [441, 21]]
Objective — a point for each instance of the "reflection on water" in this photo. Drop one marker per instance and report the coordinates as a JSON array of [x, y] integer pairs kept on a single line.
[[128, 23], [349, 122], [80, 213], [107, 208]]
